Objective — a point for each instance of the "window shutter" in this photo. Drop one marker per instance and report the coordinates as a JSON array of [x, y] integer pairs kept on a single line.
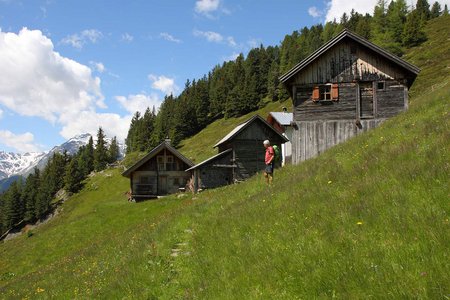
[[316, 94], [335, 92]]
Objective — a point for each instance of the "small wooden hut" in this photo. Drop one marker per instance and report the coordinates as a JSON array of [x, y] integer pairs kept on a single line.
[[241, 155], [347, 86], [160, 172]]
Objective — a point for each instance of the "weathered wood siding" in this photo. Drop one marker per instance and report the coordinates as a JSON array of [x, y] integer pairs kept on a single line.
[[348, 61], [248, 149], [216, 173], [314, 137], [374, 102], [392, 100], [307, 110], [248, 158], [149, 179]]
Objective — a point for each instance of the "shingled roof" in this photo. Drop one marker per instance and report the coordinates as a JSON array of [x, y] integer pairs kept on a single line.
[[343, 35]]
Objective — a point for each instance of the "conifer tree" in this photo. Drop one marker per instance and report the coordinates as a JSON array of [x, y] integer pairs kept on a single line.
[[14, 206], [413, 33], [100, 152], [423, 9], [113, 150], [74, 176], [435, 10], [30, 193], [445, 12]]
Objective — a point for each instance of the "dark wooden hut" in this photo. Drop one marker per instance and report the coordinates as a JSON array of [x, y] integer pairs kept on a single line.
[[160, 172], [241, 155], [347, 86]]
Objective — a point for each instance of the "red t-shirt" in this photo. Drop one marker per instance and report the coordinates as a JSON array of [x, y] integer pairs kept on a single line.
[[269, 155]]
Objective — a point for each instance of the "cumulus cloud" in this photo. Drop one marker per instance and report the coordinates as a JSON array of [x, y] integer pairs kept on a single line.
[[78, 40], [139, 102], [164, 84], [90, 121], [314, 12], [37, 81], [336, 8], [169, 37], [126, 37], [206, 6], [1, 114], [21, 142]]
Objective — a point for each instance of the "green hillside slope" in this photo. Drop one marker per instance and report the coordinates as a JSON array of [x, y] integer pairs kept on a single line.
[[368, 218]]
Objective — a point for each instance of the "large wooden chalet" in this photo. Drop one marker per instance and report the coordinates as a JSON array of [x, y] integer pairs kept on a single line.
[[241, 155], [347, 86], [160, 172]]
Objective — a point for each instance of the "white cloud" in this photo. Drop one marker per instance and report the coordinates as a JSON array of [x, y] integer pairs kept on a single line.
[[1, 113], [314, 12], [78, 40], [37, 81], [164, 84], [231, 41], [215, 37], [254, 43], [21, 142], [210, 36], [98, 66], [90, 121], [206, 6], [231, 57], [336, 8], [169, 37], [126, 37], [140, 102]]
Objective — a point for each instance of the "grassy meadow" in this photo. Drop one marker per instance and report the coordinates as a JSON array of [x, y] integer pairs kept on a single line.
[[366, 219]]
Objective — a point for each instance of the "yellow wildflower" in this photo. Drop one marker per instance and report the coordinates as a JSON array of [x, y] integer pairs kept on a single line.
[[39, 290], [359, 223]]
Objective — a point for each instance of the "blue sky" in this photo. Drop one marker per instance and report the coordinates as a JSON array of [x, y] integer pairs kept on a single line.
[[71, 66]]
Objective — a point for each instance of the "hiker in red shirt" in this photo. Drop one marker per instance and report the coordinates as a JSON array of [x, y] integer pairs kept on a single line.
[[269, 161]]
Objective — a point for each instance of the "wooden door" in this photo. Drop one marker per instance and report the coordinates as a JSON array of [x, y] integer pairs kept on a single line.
[[366, 100], [162, 185]]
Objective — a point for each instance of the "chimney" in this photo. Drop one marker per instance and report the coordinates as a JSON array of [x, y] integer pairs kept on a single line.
[[167, 140], [284, 109]]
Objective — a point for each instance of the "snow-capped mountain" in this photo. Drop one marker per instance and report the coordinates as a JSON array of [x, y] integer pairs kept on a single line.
[[14, 163], [24, 164]]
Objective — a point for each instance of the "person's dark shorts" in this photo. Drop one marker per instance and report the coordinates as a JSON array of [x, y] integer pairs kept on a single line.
[[269, 169]]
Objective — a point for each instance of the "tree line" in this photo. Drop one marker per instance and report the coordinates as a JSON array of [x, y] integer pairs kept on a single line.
[[237, 87], [30, 199]]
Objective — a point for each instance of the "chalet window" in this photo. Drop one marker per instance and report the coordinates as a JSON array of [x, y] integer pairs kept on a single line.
[[380, 85], [169, 159], [325, 92], [161, 164]]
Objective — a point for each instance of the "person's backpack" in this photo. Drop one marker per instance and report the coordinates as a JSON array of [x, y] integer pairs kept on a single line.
[[276, 151]]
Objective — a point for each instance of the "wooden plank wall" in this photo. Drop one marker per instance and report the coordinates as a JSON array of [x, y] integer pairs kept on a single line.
[[314, 137], [392, 100], [306, 110], [346, 62], [211, 176]]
